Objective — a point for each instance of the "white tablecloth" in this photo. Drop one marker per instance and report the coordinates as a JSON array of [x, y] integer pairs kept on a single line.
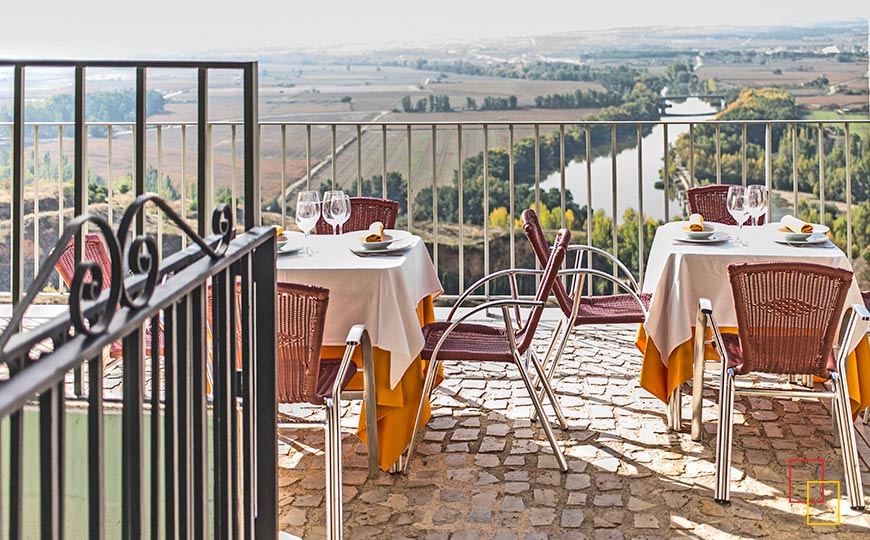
[[380, 292], [679, 274]]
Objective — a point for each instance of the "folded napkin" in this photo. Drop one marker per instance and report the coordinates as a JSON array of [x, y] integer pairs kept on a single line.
[[696, 223], [279, 230], [795, 225], [376, 232]]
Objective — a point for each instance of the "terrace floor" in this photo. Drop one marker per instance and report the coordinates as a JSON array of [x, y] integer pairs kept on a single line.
[[484, 471]]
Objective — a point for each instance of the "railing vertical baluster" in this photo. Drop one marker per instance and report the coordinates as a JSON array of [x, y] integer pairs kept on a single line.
[[60, 221], [80, 185], [743, 154], [199, 421], [158, 188], [333, 157], [248, 396], [821, 173], [36, 255], [461, 247], [109, 189], [692, 180], [359, 135], [183, 207], [283, 176], [265, 367], [233, 165], [203, 132], [132, 447], [410, 186], [51, 456], [613, 187], [768, 163], [848, 193], [486, 208], [434, 198], [96, 473], [155, 427], [252, 145], [794, 175], [141, 145], [16, 474], [562, 190], [17, 269], [589, 202], [640, 216], [223, 396], [718, 154], [308, 156], [384, 150], [666, 180], [180, 345], [537, 172], [511, 196], [171, 421]]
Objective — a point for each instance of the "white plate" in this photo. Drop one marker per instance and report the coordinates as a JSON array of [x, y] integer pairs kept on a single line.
[[396, 246], [714, 238], [291, 246], [381, 244], [810, 240], [789, 236]]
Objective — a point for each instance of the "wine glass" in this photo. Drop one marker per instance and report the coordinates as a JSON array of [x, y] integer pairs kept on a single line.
[[307, 212], [756, 199], [332, 207], [737, 207], [344, 211]]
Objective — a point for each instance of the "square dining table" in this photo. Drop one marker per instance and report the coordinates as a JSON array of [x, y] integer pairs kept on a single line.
[[679, 273], [391, 294]]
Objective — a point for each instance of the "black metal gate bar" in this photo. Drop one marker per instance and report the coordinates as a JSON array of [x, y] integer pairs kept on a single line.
[[132, 489], [96, 483], [156, 346], [198, 410], [170, 420]]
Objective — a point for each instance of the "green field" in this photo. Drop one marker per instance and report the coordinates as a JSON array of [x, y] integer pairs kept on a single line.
[[862, 130]]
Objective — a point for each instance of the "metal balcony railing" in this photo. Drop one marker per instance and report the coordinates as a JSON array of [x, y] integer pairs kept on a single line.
[[426, 155]]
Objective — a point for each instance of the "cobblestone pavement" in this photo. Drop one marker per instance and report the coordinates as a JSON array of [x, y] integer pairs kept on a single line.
[[485, 471]]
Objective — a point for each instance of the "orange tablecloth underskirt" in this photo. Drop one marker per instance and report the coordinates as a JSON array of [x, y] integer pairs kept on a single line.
[[661, 380], [396, 407]]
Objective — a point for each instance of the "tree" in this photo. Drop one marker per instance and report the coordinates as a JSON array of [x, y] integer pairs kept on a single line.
[[470, 103], [499, 217]]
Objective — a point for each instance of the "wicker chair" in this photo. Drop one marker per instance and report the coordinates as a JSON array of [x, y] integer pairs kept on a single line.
[[363, 212], [463, 341], [710, 202], [95, 250], [304, 378], [628, 307], [787, 318]]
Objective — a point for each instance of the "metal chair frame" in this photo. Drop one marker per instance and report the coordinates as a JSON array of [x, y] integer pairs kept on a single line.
[[844, 428], [358, 336]]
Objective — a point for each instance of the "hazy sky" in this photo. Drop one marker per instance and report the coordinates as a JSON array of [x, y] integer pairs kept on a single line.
[[113, 28]]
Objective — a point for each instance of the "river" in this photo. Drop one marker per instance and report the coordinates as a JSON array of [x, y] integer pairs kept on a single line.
[[690, 110]]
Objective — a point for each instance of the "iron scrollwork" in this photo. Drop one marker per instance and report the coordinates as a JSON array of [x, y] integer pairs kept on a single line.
[[142, 257]]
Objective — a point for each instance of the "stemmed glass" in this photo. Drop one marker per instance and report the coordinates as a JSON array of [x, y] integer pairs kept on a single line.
[[307, 213], [756, 199], [336, 209], [738, 208]]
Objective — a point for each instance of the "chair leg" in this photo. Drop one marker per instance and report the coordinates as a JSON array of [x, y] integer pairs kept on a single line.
[[424, 398], [851, 465], [539, 408], [724, 435], [334, 512], [371, 411], [550, 346], [548, 390], [563, 341], [698, 375], [675, 409]]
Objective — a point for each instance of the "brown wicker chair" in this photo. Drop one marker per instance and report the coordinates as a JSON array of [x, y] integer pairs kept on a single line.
[[628, 307], [363, 212], [300, 315], [710, 202], [787, 318], [463, 341]]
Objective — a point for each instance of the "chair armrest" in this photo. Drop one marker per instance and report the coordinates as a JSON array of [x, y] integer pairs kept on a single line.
[[705, 306], [495, 275], [358, 335], [848, 327], [606, 255]]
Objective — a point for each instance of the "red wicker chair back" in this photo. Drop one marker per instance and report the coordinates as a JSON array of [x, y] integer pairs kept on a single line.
[[787, 315], [363, 212], [95, 251], [532, 228], [299, 322], [548, 279], [711, 202]]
